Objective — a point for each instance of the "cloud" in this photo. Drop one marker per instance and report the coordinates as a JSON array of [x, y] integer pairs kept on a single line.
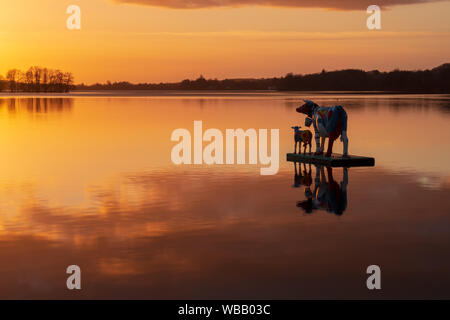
[[295, 35], [325, 4]]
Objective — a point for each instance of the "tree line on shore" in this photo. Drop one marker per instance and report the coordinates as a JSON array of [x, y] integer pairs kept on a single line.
[[436, 80], [37, 79]]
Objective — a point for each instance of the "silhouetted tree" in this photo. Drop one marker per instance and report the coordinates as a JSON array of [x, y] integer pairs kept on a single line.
[[29, 77], [12, 76], [37, 79], [3, 83], [67, 81]]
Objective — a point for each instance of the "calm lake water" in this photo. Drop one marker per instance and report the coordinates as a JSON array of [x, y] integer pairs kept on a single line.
[[88, 180]]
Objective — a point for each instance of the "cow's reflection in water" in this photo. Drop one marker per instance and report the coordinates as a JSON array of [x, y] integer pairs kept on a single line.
[[328, 195], [304, 179]]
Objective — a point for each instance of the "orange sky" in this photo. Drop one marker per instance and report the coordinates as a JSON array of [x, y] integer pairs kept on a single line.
[[160, 42]]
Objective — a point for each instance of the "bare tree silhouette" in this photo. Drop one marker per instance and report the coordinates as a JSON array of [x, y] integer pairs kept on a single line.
[[12, 76], [37, 79]]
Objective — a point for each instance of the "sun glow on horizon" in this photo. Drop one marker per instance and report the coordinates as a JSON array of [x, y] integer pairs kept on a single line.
[[121, 42]]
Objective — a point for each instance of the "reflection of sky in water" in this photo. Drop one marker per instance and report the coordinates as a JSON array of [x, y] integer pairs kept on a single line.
[[90, 182]]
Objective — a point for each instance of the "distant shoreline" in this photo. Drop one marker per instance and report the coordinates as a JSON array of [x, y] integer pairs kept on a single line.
[[436, 80], [206, 93], [45, 81]]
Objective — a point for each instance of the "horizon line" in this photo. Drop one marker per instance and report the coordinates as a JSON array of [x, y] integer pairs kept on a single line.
[[262, 78]]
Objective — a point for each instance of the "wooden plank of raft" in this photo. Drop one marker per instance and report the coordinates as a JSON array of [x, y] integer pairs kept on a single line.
[[336, 160]]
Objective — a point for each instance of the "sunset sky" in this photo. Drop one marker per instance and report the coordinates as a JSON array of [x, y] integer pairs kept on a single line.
[[170, 40]]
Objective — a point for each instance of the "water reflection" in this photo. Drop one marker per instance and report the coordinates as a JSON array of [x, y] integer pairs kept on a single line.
[[327, 194], [36, 105], [97, 189]]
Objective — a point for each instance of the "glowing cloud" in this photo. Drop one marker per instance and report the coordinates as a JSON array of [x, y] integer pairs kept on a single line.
[[326, 4]]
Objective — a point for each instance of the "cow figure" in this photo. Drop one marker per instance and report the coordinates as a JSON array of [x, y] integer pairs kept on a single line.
[[302, 136], [328, 122]]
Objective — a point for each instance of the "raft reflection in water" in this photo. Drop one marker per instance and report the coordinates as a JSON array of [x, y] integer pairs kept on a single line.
[[327, 194]]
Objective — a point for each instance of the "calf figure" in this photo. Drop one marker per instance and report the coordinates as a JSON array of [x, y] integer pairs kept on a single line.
[[302, 136]]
